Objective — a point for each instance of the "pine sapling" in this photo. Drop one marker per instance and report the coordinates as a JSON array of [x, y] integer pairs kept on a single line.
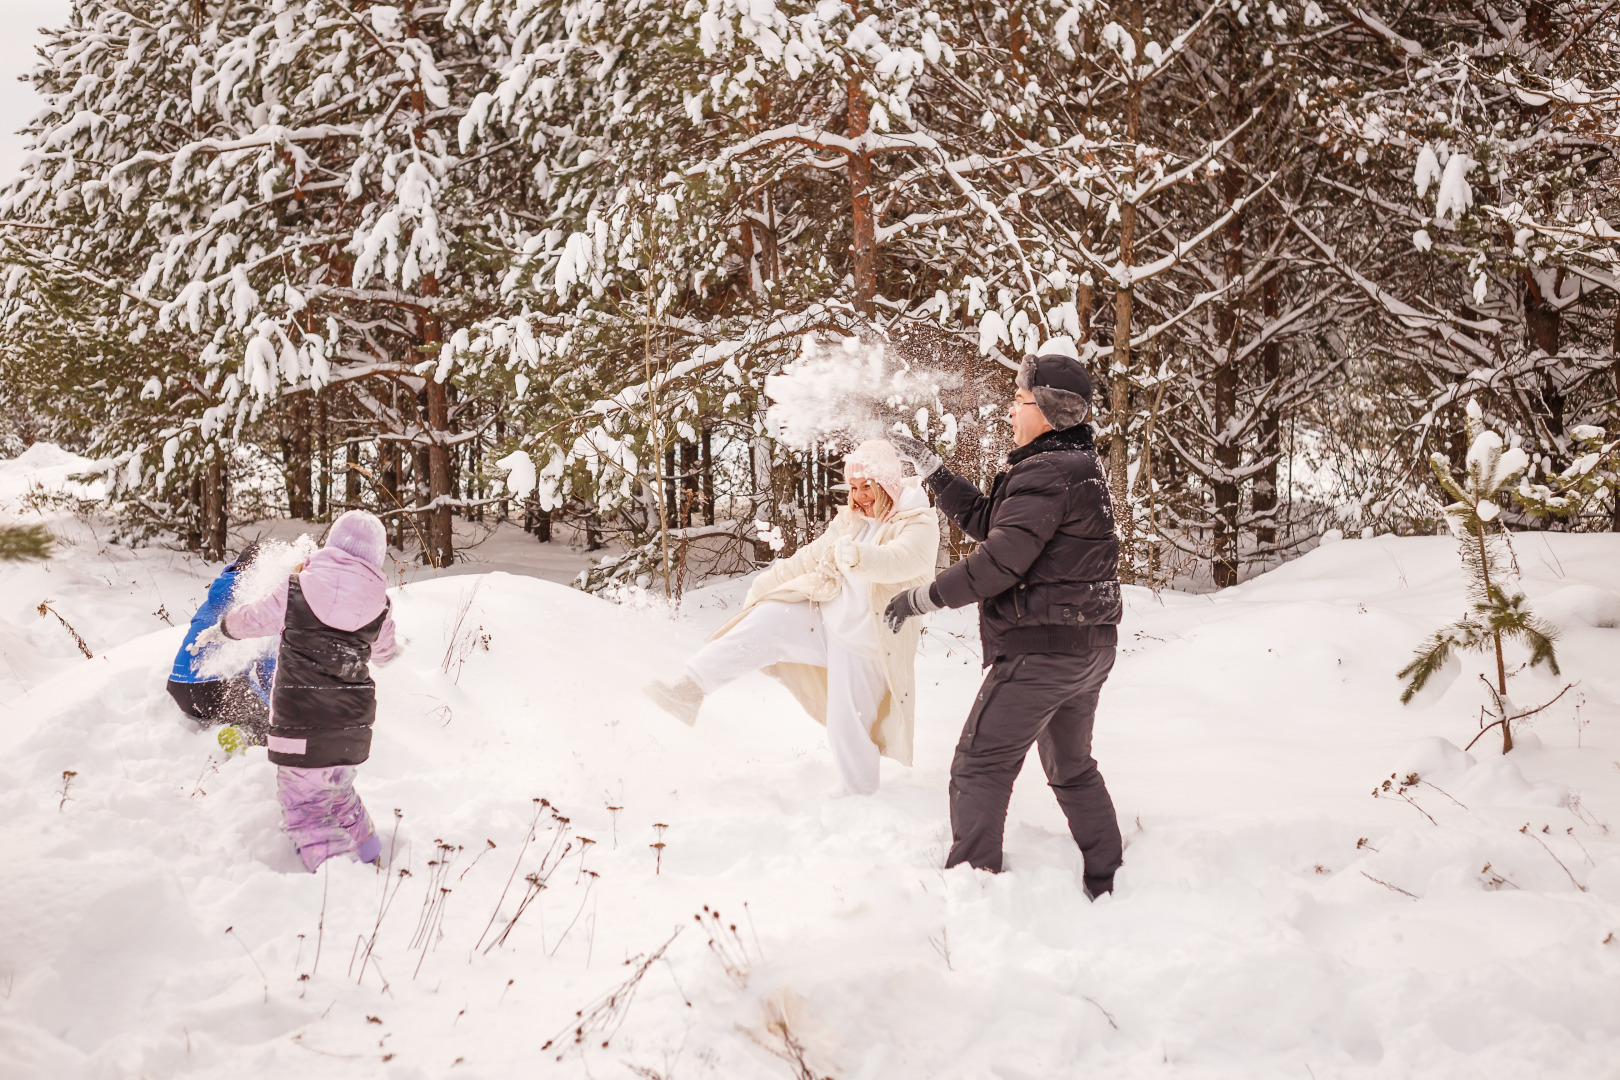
[[20, 543], [1498, 610]]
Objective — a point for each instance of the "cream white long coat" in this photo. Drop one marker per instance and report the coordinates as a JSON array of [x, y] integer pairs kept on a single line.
[[901, 555]]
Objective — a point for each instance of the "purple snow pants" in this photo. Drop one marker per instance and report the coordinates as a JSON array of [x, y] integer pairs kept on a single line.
[[324, 815]]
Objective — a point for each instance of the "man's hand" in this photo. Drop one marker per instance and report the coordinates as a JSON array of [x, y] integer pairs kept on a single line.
[[212, 635], [924, 460], [908, 605], [845, 554]]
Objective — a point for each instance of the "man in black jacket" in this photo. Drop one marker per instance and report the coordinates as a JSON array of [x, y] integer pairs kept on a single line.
[[1045, 576]]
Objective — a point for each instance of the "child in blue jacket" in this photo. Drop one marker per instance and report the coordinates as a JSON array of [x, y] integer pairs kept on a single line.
[[239, 700]]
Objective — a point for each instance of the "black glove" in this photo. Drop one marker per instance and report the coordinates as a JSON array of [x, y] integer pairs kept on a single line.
[[924, 460], [908, 605]]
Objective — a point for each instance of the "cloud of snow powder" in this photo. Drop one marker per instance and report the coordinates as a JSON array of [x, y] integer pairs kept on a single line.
[[840, 392], [275, 562]]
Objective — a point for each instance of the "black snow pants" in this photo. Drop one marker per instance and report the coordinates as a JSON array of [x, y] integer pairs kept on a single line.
[[1049, 699], [223, 701]]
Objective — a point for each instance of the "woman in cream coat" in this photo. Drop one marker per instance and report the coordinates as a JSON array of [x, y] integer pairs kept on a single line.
[[815, 622]]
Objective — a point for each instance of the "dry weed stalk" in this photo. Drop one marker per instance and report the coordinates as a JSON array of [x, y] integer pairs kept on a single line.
[[1389, 789], [46, 609], [540, 806], [67, 782], [726, 945], [606, 1014], [1526, 831], [1387, 885], [383, 905], [489, 846], [538, 880], [658, 848], [462, 639], [230, 931], [792, 1050]]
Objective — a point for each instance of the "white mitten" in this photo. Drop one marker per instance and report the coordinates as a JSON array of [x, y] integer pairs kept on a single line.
[[212, 635], [846, 554]]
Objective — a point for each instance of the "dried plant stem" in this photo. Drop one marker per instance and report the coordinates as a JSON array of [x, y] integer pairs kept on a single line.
[[528, 838], [320, 926], [1387, 885], [1555, 858], [230, 932], [606, 1014], [46, 609]]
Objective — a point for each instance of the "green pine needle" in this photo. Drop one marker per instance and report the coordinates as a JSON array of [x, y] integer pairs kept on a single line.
[[24, 542]]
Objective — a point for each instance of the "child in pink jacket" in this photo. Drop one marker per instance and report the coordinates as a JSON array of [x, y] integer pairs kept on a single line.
[[333, 618]]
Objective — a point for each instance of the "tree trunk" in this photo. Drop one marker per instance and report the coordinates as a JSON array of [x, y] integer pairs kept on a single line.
[[1614, 352], [295, 449], [441, 540], [1228, 455], [351, 473], [708, 476], [323, 509], [194, 528], [215, 512], [1119, 407], [391, 487], [863, 245], [1265, 485], [1544, 322]]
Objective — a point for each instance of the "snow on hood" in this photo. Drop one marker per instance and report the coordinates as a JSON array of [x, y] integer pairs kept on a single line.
[[344, 592]]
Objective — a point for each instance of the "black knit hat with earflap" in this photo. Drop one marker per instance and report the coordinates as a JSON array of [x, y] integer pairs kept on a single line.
[[1060, 386]]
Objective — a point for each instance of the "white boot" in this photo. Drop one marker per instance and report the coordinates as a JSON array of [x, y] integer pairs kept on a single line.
[[681, 700]]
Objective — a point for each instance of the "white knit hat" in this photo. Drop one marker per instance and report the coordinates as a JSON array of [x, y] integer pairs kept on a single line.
[[876, 460], [360, 534]]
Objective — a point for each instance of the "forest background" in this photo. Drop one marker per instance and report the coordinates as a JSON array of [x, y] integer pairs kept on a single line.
[[458, 261]]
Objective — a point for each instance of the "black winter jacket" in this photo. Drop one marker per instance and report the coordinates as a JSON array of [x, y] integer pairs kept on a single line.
[[324, 702], [1045, 573]]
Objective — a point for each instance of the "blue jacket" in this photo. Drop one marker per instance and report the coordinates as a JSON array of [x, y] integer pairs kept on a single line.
[[212, 610]]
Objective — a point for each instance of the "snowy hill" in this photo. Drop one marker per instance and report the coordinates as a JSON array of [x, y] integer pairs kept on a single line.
[[1272, 917]]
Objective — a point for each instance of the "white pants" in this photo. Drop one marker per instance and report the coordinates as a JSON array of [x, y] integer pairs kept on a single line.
[[776, 633]]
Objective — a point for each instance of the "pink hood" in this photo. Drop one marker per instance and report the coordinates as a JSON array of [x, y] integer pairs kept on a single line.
[[344, 592]]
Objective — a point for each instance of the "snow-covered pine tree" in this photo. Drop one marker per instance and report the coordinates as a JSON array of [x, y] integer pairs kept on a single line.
[[268, 191], [77, 341], [1498, 607], [1459, 158]]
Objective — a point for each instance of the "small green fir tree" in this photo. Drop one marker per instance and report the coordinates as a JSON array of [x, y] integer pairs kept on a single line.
[[1498, 610], [21, 542]]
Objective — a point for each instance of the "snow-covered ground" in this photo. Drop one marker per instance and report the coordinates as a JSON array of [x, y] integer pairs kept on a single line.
[[1273, 918]]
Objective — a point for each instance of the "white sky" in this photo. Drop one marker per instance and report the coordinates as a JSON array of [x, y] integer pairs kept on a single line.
[[19, 23]]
